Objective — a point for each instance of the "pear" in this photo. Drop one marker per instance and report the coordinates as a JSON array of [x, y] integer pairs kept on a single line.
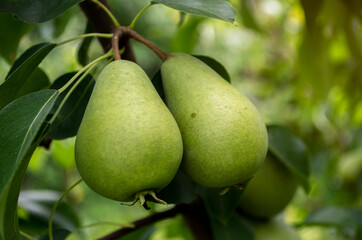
[[270, 191], [128, 144], [225, 139]]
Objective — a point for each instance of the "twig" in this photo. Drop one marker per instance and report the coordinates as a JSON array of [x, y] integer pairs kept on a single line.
[[117, 34], [131, 33], [194, 214], [146, 221]]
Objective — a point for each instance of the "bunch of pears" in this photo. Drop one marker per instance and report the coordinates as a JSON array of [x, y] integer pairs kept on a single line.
[[130, 144]]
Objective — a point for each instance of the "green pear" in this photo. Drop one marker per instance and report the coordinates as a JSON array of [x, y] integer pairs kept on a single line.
[[274, 229], [128, 144], [270, 191], [225, 139]]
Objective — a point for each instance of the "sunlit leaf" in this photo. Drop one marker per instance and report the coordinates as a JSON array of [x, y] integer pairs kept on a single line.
[[187, 36], [220, 9]]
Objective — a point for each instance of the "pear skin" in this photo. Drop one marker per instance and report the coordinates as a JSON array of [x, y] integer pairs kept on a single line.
[[270, 191], [128, 141], [225, 139]]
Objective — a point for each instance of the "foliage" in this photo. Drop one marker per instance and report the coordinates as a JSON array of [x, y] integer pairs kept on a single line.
[[300, 62]]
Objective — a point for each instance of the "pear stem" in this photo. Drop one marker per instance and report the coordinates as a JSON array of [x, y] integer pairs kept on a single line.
[[117, 34], [128, 32]]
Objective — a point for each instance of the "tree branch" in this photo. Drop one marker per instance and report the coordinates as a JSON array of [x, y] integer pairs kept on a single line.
[[100, 22], [146, 221], [194, 210]]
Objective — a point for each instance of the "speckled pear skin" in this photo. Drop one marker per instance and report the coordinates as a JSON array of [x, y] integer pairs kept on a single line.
[[270, 191], [128, 140], [225, 139]]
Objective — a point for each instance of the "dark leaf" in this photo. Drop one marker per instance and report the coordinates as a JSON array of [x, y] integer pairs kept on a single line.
[[236, 228], [11, 31], [38, 80], [220, 9], [140, 234], [221, 207], [36, 10], [58, 234], [22, 70], [22, 127], [82, 54], [180, 190], [70, 116], [291, 151], [218, 67], [157, 83]]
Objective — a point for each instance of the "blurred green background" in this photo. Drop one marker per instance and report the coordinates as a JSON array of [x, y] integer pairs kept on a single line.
[[300, 62]]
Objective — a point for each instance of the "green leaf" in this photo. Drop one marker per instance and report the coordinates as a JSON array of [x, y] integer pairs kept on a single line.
[[140, 234], [221, 207], [218, 67], [157, 83], [180, 190], [340, 217], [291, 151], [37, 80], [38, 205], [22, 70], [21, 127], [219, 9], [247, 16], [187, 36], [11, 31], [236, 228], [58, 234], [70, 116], [82, 54], [36, 10]]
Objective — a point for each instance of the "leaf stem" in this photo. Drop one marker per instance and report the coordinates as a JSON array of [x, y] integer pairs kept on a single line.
[[100, 35], [26, 235], [108, 54], [109, 13], [56, 205], [84, 70], [70, 92], [140, 13]]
